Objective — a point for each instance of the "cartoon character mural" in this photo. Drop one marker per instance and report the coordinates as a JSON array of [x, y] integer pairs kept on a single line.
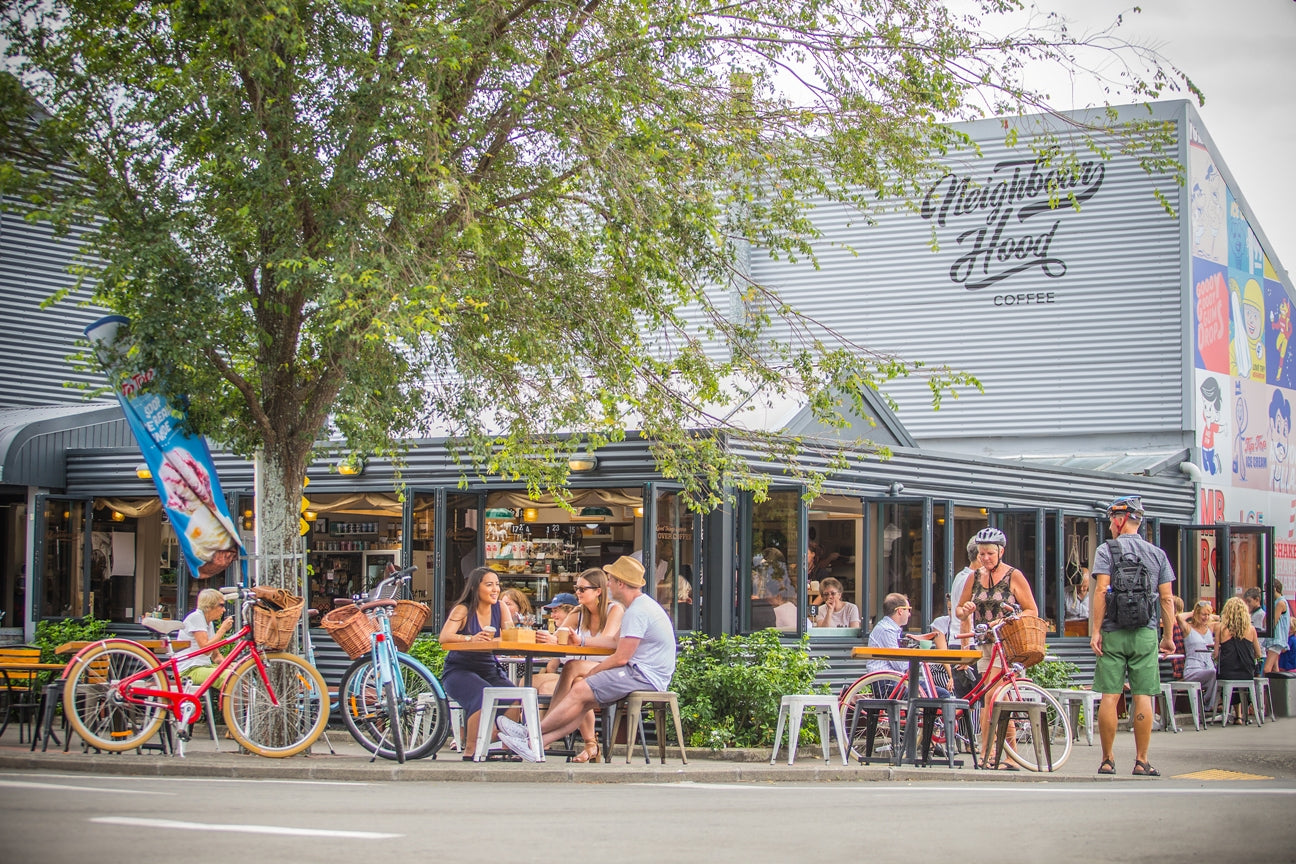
[[1212, 414], [1280, 321], [1208, 223], [1246, 328], [1282, 470], [1240, 414]]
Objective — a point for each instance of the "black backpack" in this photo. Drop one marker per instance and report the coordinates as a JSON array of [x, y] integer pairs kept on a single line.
[[1133, 592]]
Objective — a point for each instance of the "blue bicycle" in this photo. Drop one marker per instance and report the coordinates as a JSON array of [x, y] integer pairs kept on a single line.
[[390, 702]]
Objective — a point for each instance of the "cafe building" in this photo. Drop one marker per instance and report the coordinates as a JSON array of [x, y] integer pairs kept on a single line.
[[1094, 331]]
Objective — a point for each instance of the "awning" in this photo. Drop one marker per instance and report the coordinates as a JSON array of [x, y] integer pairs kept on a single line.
[[34, 440]]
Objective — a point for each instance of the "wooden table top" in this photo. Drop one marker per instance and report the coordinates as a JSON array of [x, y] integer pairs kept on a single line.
[[534, 648], [28, 666], [154, 645], [958, 656]]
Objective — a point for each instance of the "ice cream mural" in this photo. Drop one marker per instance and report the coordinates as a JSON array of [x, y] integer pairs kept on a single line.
[[182, 467]]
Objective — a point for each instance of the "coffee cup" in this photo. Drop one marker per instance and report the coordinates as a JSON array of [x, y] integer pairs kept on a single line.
[[564, 635], [489, 631]]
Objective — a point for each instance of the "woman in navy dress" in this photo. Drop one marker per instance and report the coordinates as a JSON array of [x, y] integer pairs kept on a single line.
[[478, 615]]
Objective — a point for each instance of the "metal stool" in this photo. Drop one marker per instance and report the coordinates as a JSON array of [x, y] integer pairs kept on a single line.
[[824, 706], [639, 700], [1193, 690], [457, 725], [1074, 701], [1166, 698], [1036, 713], [871, 710], [1264, 699], [949, 710], [1226, 690], [494, 698]]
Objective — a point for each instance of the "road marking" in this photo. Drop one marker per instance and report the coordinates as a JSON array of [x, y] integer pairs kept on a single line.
[[64, 787], [1056, 788], [258, 780], [242, 829]]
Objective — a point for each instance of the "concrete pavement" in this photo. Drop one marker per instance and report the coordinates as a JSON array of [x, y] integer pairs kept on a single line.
[[1223, 753]]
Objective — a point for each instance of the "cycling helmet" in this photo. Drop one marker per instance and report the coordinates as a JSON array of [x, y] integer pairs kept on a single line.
[[990, 536], [1126, 505]]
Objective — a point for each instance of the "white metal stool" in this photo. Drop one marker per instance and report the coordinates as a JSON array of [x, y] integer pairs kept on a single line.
[[495, 698], [1193, 690], [825, 709], [456, 725], [1264, 698], [1074, 701], [1225, 700], [1166, 698]]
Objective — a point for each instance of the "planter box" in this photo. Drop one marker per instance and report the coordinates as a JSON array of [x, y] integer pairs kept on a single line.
[[1284, 696]]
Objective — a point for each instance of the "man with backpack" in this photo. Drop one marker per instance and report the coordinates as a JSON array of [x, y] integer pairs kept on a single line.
[[1132, 599]]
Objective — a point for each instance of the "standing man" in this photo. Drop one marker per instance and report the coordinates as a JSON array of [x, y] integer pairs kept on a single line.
[[644, 660], [1129, 651]]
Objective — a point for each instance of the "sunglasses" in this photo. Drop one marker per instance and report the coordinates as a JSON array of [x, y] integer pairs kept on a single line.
[[582, 588]]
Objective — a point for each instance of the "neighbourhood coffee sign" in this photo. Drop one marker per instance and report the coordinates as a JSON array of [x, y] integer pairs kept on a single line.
[[1006, 222]]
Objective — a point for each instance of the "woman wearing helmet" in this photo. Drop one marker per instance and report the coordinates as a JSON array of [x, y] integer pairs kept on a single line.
[[994, 584]]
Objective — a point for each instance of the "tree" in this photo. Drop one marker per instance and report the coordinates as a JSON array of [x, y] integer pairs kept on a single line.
[[521, 223]]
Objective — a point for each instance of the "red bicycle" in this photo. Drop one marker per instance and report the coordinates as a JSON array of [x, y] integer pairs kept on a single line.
[[1009, 679], [275, 704]]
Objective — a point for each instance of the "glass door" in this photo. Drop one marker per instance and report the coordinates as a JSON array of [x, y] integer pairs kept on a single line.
[[62, 579], [672, 554], [1026, 549], [904, 555], [1226, 561], [769, 544]]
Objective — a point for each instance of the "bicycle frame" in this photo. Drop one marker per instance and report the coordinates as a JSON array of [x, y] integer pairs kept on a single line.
[[175, 696]]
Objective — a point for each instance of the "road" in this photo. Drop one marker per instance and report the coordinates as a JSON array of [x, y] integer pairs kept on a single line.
[[53, 817]]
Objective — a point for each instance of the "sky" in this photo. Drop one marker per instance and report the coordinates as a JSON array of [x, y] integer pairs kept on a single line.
[[1242, 55]]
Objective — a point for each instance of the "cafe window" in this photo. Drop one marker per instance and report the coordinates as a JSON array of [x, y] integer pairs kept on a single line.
[[61, 557], [773, 578], [835, 535], [675, 571], [898, 532], [1080, 538]]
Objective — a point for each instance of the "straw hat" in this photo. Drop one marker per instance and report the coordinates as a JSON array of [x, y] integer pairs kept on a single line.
[[627, 570]]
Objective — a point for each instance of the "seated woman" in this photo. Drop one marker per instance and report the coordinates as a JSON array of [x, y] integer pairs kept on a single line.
[[1199, 649], [517, 602], [199, 630], [835, 612], [595, 616], [478, 615], [1238, 646]]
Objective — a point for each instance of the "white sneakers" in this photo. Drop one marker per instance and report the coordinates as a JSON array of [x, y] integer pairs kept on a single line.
[[519, 744], [512, 727]]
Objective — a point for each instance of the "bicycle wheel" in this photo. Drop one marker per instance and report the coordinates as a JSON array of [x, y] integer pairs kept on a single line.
[[1020, 746], [871, 685], [263, 727], [424, 711], [96, 705]]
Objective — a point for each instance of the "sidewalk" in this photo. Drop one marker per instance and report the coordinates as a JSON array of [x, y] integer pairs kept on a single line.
[[1267, 752]]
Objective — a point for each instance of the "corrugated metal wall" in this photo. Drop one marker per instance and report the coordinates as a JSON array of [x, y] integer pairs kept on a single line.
[[1091, 339], [34, 342]]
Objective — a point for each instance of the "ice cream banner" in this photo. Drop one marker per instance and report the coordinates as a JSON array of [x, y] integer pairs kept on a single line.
[[181, 463]]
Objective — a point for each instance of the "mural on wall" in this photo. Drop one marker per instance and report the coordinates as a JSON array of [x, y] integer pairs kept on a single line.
[[1244, 389]]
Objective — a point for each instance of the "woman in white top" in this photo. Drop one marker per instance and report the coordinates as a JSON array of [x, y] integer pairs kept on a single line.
[[595, 615], [199, 629], [835, 612], [1199, 637]]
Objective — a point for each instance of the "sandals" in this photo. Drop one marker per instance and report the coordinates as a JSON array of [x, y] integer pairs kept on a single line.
[[1144, 769], [589, 754], [1108, 766]]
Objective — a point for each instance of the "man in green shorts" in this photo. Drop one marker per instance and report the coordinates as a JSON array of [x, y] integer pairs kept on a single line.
[[1124, 649]]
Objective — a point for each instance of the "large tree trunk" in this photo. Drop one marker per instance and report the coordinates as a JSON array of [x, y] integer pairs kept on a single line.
[[280, 548]]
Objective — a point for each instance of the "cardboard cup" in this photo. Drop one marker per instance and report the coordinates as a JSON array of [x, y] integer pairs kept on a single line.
[[564, 635]]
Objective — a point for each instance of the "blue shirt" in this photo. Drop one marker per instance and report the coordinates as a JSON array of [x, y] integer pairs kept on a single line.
[[886, 634]]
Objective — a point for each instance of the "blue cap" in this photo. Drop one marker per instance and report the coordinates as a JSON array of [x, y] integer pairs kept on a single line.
[[563, 599]]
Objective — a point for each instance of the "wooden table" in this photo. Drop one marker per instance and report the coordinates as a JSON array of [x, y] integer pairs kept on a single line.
[[916, 657], [531, 650], [154, 645]]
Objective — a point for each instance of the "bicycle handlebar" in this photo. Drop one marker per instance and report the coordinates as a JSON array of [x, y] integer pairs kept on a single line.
[[377, 604]]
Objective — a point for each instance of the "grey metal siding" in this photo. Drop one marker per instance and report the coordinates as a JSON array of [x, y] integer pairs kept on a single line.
[[35, 342], [1049, 368]]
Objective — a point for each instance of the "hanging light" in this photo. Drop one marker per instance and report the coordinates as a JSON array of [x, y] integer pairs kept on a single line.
[[118, 516], [310, 515], [581, 464], [530, 514], [639, 511], [499, 513], [143, 472], [594, 514], [351, 468]]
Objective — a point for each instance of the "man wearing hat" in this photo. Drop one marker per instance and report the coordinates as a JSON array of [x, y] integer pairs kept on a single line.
[[644, 659], [559, 606]]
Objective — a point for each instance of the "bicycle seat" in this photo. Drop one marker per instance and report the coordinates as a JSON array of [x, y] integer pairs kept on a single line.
[[162, 626]]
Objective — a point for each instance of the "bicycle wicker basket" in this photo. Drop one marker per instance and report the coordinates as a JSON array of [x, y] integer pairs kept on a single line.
[[1023, 640], [407, 620], [350, 628], [272, 628]]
